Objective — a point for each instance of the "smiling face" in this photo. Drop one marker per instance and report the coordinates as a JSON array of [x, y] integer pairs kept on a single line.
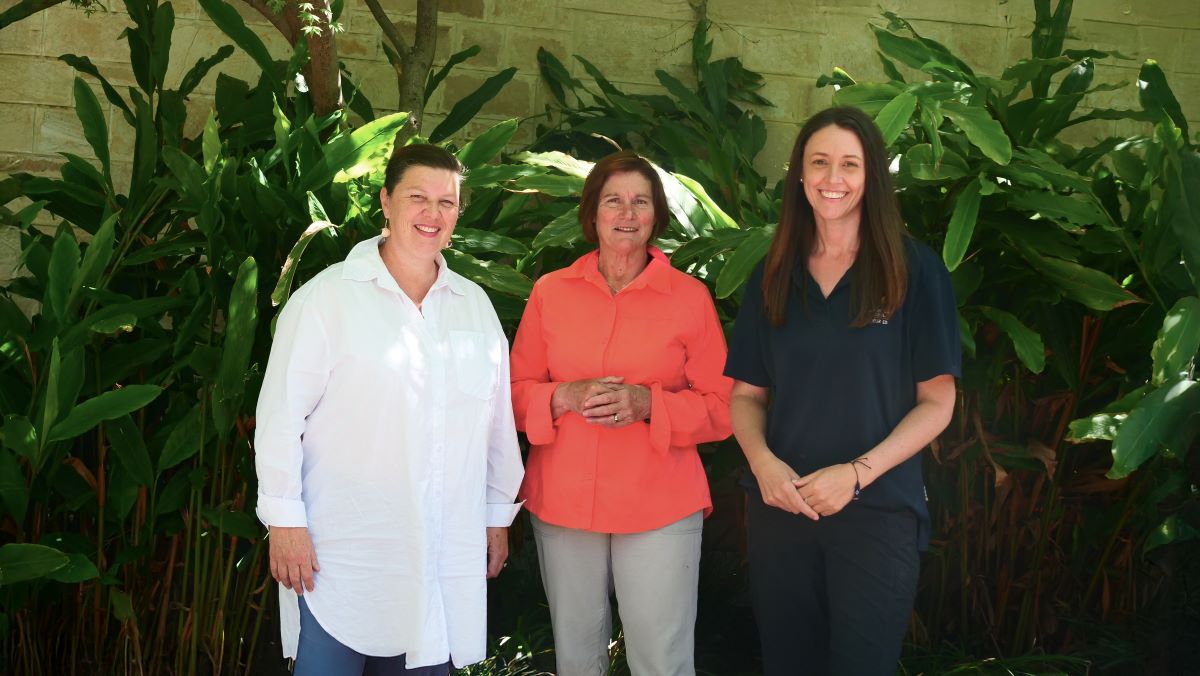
[[625, 213], [834, 175], [421, 211]]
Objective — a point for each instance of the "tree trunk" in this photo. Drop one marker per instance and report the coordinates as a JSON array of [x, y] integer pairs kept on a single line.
[[321, 72], [411, 64]]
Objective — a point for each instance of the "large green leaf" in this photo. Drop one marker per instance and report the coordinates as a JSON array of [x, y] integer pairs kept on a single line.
[[62, 272], [923, 165], [96, 256], [717, 217], [471, 240], [894, 117], [1027, 343], [550, 184], [230, 22], [1085, 285], [485, 147], [240, 324], [95, 127], [962, 224], [349, 154], [13, 491], [557, 160], [1156, 95], [1178, 340], [1181, 208], [105, 406], [982, 130], [20, 435], [1154, 420], [469, 106], [740, 263], [435, 79], [79, 568], [563, 231], [236, 524], [870, 97], [183, 442], [129, 449], [1173, 529], [21, 561], [1075, 209], [283, 288], [493, 275]]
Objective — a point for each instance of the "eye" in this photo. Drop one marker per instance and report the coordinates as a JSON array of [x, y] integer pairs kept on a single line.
[[417, 199], [818, 162], [641, 202], [447, 205], [612, 201]]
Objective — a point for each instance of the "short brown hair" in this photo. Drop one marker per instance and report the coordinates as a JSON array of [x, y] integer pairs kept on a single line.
[[418, 155], [624, 161]]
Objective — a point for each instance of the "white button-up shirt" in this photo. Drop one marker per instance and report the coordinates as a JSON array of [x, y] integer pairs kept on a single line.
[[388, 431]]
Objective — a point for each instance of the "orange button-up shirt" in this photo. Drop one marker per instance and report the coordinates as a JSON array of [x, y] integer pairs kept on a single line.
[[662, 332]]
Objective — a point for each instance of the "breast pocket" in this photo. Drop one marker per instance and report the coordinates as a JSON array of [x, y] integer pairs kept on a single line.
[[476, 358]]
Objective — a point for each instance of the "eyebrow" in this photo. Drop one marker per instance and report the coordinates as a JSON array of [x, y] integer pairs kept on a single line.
[[613, 194], [824, 154]]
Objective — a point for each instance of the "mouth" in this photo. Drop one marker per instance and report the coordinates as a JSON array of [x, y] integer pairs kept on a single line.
[[833, 194], [427, 230], [626, 229]]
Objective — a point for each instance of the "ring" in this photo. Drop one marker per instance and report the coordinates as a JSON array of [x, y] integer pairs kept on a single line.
[[616, 417]]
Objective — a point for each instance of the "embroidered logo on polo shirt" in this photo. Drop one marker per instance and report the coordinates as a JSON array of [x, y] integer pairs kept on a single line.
[[879, 317]]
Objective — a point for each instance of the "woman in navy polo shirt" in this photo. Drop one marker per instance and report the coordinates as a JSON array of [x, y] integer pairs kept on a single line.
[[844, 358]]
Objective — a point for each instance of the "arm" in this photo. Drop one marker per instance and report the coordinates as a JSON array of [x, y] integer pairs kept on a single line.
[[748, 412], [504, 470], [830, 489], [297, 371]]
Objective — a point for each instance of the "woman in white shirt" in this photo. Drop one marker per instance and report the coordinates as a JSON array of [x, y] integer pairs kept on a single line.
[[386, 453]]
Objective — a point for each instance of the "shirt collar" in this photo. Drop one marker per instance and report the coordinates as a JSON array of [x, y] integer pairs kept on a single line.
[[364, 264], [656, 275]]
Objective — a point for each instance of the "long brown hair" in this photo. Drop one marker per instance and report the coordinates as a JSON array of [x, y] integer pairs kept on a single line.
[[880, 270]]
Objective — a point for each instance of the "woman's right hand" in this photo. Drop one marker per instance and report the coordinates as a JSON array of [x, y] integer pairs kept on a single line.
[[293, 558], [569, 397], [775, 481]]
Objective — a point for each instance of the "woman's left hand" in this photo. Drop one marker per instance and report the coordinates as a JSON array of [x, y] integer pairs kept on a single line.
[[497, 550], [620, 406], [828, 489]]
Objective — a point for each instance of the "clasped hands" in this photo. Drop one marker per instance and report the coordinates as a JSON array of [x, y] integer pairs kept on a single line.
[[824, 492], [607, 401]]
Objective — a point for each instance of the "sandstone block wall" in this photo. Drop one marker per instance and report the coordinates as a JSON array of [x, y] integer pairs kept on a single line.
[[791, 42]]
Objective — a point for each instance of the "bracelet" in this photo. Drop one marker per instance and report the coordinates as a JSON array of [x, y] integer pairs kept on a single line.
[[857, 485]]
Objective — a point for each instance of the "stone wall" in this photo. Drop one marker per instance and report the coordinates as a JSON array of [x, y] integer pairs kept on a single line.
[[791, 42]]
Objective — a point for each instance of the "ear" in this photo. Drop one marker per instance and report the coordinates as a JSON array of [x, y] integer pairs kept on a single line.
[[385, 200]]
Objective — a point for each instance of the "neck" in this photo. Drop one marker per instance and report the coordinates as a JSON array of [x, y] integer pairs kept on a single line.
[[414, 274], [836, 238], [619, 268]]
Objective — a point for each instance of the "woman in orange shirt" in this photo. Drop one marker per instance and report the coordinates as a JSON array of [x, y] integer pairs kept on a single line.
[[616, 376]]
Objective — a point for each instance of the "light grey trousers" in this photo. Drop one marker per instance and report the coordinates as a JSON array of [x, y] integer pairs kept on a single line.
[[654, 575]]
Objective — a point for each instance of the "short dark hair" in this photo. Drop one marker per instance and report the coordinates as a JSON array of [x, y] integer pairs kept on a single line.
[[624, 161], [418, 155], [880, 281]]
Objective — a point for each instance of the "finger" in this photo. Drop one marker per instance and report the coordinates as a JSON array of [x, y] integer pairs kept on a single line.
[[306, 572], [611, 379], [312, 555], [807, 510], [295, 582]]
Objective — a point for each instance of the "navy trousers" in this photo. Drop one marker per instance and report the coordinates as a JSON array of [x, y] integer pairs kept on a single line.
[[832, 596]]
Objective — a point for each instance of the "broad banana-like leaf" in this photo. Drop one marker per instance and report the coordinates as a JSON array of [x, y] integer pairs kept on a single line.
[[104, 406], [962, 224], [1026, 341], [20, 561], [1178, 340], [240, 324], [1150, 423]]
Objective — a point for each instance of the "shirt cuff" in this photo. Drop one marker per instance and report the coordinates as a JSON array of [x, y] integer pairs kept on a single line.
[[539, 421], [281, 512], [660, 422], [501, 515]]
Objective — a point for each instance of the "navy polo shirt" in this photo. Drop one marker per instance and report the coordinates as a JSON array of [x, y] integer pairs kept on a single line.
[[836, 390]]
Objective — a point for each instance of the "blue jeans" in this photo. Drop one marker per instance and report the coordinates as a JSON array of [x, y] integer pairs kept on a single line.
[[319, 654]]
